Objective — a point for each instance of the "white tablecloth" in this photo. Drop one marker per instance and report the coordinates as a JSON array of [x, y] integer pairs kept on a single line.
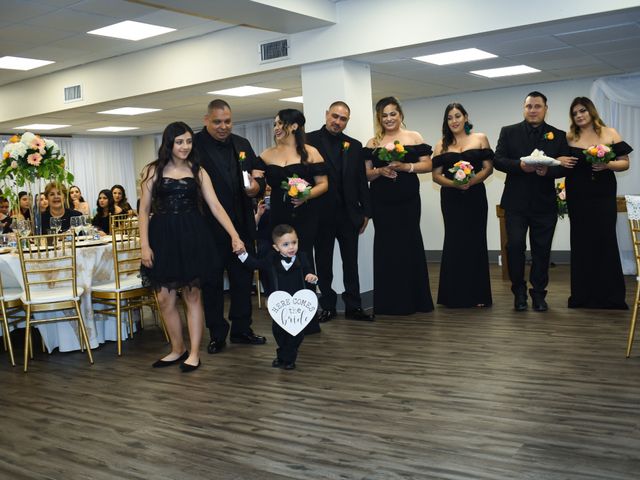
[[94, 266]]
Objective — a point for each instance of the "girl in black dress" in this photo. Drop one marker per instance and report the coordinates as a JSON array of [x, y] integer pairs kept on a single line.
[[288, 157], [464, 270], [177, 248], [105, 207], [400, 277], [596, 271], [120, 197]]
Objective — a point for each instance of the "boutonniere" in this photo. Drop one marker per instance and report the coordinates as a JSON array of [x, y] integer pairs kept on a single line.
[[548, 136], [345, 146], [242, 156]]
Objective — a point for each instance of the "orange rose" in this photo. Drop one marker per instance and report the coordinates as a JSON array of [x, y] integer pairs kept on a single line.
[[399, 148], [14, 139], [293, 192], [467, 171], [593, 151], [550, 136], [5, 155], [242, 156]]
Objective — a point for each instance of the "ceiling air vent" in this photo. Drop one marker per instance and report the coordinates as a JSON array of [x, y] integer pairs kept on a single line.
[[72, 93], [274, 50]]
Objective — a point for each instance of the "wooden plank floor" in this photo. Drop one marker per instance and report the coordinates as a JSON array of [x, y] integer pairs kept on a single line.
[[454, 394]]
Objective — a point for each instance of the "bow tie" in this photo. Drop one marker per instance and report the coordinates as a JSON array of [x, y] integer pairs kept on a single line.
[[287, 259]]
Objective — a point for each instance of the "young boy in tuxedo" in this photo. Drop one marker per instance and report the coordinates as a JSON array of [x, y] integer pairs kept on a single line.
[[287, 271]]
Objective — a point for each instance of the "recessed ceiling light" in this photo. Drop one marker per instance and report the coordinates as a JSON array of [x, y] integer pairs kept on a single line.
[[130, 111], [21, 63], [245, 91], [40, 126], [456, 56], [505, 71], [129, 30], [112, 129], [292, 99]]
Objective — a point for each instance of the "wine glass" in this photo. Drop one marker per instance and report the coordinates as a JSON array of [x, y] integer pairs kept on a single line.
[[76, 225], [55, 224]]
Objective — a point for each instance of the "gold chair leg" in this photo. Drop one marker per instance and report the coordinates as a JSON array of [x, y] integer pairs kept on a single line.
[[118, 324], [130, 318], [6, 335], [634, 318], [27, 337], [83, 332]]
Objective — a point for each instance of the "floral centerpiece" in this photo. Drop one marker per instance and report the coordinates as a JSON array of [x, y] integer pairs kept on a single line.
[[462, 172], [296, 187], [561, 200], [599, 154], [27, 158], [392, 152]]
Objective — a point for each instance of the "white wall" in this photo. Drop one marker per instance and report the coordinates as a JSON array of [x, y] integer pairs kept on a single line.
[[488, 112]]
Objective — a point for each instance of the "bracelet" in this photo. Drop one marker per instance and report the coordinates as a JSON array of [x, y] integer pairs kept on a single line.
[[411, 168]]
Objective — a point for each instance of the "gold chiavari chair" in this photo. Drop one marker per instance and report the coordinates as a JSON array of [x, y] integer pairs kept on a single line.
[[49, 274], [126, 293], [633, 212], [11, 306]]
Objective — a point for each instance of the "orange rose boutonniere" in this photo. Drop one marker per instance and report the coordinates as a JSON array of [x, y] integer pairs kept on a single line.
[[345, 146], [242, 156], [549, 136]]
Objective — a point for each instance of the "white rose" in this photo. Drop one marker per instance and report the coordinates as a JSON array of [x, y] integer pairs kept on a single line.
[[27, 138], [19, 150], [50, 143]]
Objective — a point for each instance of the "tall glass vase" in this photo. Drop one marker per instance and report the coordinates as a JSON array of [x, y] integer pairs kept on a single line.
[[36, 214]]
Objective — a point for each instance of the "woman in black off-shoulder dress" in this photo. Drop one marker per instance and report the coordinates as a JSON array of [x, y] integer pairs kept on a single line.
[[292, 157], [597, 280], [464, 270], [177, 251], [400, 276]]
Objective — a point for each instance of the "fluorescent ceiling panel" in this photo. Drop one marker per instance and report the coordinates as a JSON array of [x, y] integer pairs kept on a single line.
[[292, 99], [130, 30], [456, 56], [21, 63], [505, 71], [130, 111], [244, 91], [111, 129], [40, 126]]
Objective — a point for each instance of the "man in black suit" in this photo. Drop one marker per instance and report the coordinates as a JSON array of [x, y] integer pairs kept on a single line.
[[225, 157], [344, 212], [529, 198]]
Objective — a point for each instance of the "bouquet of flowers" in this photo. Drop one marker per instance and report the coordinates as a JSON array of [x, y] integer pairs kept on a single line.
[[296, 187], [392, 152], [462, 172], [561, 200], [28, 157], [599, 154]]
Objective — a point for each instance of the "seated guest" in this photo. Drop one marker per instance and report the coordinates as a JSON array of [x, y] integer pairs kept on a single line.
[[44, 203], [24, 204], [76, 200], [56, 194], [5, 217], [120, 197], [106, 207]]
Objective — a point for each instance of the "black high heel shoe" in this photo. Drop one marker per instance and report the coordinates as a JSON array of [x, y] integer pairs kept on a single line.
[[168, 363]]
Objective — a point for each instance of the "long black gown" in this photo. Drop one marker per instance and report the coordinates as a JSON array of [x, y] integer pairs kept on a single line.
[[183, 249], [400, 276], [464, 270], [597, 280]]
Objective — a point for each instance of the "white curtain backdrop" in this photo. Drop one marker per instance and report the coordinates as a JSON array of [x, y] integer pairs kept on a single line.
[[97, 163], [259, 133], [618, 102]]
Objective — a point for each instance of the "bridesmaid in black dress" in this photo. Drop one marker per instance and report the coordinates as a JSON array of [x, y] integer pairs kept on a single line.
[[596, 271], [464, 270], [400, 276], [177, 251], [292, 156]]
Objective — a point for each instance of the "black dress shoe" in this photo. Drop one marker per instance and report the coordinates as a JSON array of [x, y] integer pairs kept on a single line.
[[186, 368], [216, 346], [326, 315], [540, 305], [290, 366], [167, 363], [520, 303], [248, 338], [359, 314], [277, 363], [312, 328]]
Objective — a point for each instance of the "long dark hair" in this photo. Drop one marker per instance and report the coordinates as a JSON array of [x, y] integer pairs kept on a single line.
[[574, 130], [165, 155], [81, 197], [288, 117], [111, 207], [447, 135]]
